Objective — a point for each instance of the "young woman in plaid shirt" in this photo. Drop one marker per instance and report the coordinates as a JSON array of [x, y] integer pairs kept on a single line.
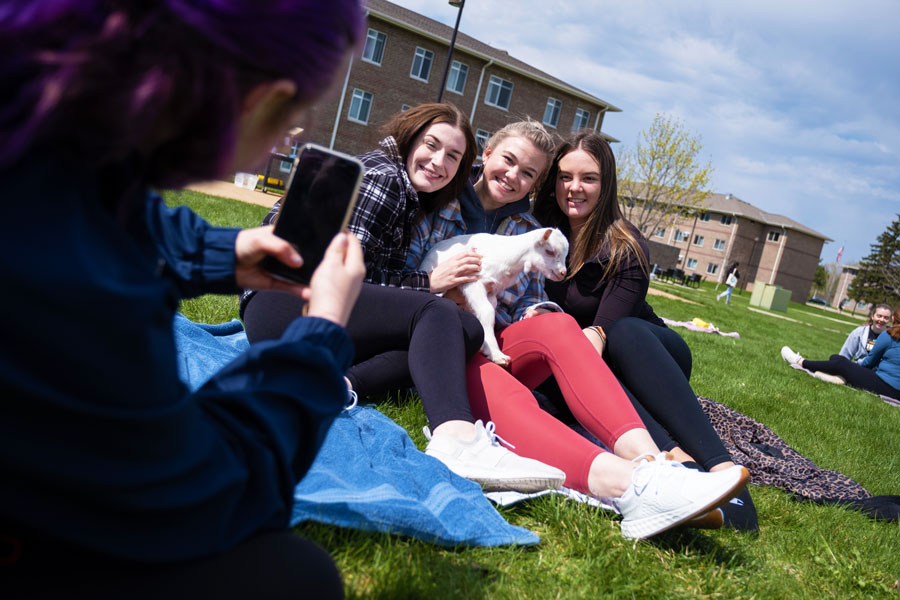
[[399, 328]]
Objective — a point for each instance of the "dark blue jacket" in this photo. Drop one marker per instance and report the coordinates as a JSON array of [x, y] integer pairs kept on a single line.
[[101, 445]]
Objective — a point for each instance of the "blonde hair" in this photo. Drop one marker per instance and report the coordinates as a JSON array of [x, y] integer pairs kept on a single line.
[[531, 131]]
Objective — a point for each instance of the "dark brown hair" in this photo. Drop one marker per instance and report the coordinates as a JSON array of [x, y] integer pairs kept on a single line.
[[406, 126], [606, 229]]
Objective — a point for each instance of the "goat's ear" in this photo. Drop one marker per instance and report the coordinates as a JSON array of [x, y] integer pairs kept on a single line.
[[542, 241]]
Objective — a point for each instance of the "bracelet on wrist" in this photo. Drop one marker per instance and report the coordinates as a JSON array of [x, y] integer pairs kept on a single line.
[[599, 331]]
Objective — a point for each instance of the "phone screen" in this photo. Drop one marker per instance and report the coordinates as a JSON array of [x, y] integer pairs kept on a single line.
[[316, 206]]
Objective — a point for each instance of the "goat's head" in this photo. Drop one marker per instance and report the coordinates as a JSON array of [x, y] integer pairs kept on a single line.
[[549, 256]]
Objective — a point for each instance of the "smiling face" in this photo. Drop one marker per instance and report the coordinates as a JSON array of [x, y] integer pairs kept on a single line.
[[510, 173], [881, 320], [578, 187], [435, 156]]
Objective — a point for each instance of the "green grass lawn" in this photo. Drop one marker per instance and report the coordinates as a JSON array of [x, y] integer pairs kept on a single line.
[[802, 550]]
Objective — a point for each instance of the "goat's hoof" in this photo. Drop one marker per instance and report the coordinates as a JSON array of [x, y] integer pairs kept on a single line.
[[502, 360]]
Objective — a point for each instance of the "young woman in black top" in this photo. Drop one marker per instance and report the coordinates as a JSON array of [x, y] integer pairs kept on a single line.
[[605, 291]]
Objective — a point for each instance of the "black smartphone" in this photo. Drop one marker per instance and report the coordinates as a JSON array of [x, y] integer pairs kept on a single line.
[[317, 204]]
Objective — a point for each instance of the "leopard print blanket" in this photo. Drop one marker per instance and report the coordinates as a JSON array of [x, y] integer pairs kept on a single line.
[[773, 463]]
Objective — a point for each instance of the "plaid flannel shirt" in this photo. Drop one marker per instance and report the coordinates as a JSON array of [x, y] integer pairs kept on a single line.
[[528, 288], [383, 219]]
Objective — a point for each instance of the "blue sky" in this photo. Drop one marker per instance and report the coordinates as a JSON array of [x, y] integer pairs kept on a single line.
[[796, 101]]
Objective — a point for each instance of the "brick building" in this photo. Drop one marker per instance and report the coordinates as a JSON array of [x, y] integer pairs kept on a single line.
[[770, 248], [402, 65]]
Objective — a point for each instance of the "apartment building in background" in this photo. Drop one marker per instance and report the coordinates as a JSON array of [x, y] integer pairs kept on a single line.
[[770, 248], [402, 65]]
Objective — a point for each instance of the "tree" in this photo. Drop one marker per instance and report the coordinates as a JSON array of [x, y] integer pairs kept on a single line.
[[878, 279], [820, 279], [661, 178]]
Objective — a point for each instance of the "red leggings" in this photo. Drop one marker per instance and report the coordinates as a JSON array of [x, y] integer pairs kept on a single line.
[[551, 344]]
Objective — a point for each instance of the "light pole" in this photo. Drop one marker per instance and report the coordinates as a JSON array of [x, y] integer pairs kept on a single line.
[[460, 4]]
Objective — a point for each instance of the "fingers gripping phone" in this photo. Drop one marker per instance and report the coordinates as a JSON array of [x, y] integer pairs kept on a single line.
[[317, 204]]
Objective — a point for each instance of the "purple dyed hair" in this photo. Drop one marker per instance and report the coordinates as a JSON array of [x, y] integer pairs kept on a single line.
[[108, 80]]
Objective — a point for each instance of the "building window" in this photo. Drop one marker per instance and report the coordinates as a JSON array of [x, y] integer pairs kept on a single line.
[[719, 245], [712, 268], [421, 67], [726, 220], [705, 217], [773, 236], [660, 232], [681, 236], [551, 112], [499, 93], [581, 119], [360, 106], [698, 240], [692, 263], [456, 79], [481, 138], [374, 50]]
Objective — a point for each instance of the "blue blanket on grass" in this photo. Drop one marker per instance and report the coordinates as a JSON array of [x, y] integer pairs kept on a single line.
[[368, 474]]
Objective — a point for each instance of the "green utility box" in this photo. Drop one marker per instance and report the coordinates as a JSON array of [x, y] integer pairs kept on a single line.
[[770, 297]]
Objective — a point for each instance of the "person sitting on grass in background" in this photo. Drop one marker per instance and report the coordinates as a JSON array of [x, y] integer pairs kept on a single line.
[[652, 492], [731, 278], [119, 482], [860, 341], [402, 333], [878, 372]]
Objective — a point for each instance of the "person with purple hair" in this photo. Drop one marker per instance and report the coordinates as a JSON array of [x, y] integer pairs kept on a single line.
[[117, 481]]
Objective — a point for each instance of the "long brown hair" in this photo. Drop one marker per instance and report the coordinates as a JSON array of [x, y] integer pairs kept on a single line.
[[406, 126], [606, 229], [894, 331]]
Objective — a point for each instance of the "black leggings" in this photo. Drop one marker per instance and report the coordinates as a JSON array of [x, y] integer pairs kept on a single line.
[[398, 335], [268, 566], [855, 375], [653, 364]]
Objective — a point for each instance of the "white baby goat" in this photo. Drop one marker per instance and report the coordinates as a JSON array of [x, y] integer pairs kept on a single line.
[[503, 258]]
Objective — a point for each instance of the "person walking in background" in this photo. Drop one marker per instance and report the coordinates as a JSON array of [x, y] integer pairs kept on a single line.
[[731, 280], [860, 341]]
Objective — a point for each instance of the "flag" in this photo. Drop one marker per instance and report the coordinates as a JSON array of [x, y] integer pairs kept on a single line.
[[840, 254]]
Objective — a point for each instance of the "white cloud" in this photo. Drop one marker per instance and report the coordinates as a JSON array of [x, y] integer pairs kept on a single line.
[[795, 101]]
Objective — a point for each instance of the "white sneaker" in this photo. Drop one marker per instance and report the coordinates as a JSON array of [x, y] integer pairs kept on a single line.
[[665, 493], [790, 357], [486, 462]]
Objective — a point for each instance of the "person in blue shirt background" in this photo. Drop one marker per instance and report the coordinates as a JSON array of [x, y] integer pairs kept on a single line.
[[878, 372], [115, 480]]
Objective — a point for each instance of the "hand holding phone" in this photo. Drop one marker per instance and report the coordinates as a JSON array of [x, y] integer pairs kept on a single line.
[[317, 204]]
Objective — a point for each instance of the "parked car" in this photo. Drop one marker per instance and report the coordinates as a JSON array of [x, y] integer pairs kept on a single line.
[[817, 301]]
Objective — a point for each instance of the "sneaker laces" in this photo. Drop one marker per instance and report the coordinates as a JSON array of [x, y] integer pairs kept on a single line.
[[491, 430], [640, 478]]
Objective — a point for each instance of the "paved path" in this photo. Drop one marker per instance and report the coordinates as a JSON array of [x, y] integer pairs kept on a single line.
[[227, 189]]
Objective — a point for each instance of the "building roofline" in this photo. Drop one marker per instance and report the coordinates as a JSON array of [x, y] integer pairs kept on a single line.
[[497, 58], [732, 205]]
